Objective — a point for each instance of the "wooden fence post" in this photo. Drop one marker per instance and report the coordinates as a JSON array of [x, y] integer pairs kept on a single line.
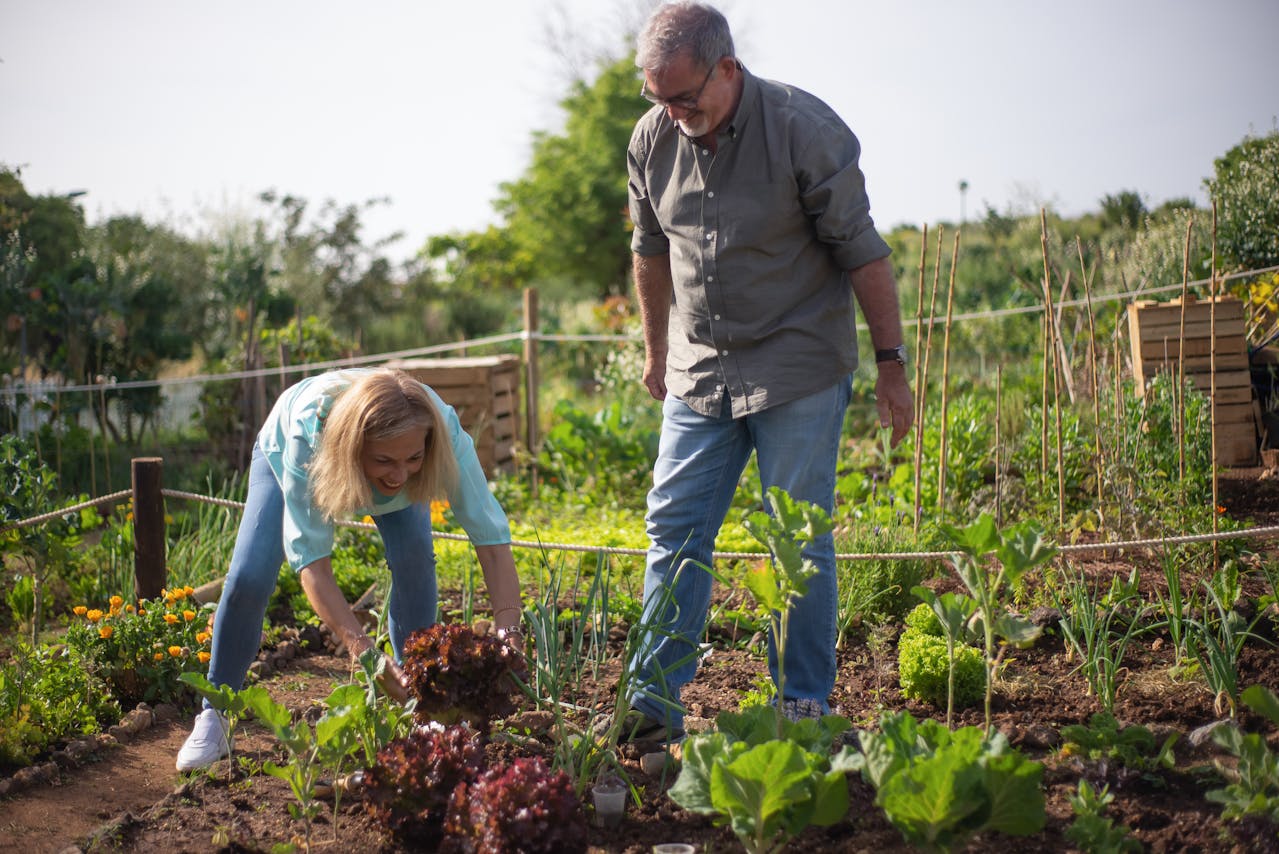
[[531, 380], [148, 527]]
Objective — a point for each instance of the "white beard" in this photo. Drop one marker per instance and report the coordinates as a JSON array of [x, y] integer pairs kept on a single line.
[[699, 127]]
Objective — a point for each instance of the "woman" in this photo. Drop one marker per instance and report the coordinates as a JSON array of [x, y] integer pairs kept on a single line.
[[358, 441]]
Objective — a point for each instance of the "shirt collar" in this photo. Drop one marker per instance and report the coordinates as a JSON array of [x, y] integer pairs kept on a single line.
[[745, 104]]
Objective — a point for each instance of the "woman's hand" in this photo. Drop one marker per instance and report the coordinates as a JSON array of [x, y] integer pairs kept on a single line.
[[392, 681]]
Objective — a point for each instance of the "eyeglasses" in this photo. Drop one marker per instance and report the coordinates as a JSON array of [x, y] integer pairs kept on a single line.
[[683, 102]]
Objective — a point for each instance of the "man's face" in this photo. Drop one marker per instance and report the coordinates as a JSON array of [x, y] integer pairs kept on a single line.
[[696, 98]]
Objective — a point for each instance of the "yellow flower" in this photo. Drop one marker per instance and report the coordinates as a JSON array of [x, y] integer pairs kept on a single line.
[[141, 613], [204, 657], [188, 590], [437, 512], [188, 615], [175, 651], [202, 637], [93, 616], [79, 610], [105, 632], [170, 618], [116, 601], [159, 656], [128, 609]]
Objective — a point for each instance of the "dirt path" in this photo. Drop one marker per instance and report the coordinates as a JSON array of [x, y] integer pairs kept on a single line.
[[131, 778]]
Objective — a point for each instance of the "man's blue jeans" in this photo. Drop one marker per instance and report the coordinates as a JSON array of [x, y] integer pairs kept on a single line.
[[700, 460], [255, 568]]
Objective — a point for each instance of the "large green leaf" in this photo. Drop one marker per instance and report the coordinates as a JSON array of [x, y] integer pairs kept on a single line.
[[1016, 799], [757, 786]]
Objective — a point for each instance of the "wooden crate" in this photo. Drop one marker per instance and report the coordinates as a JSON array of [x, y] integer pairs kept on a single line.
[[1155, 330], [485, 391]]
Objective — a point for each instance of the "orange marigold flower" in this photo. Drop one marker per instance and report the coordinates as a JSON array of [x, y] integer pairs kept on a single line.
[[128, 609], [159, 656], [170, 618], [116, 601], [204, 657], [93, 616], [106, 632], [175, 651], [188, 615], [79, 610], [188, 590], [141, 613], [202, 637]]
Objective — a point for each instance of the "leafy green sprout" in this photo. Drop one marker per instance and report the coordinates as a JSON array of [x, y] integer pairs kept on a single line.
[[777, 583], [1016, 551], [954, 611]]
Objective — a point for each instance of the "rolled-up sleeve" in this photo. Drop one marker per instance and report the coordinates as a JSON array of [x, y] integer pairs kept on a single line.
[[474, 505], [647, 237], [833, 193], [308, 536]]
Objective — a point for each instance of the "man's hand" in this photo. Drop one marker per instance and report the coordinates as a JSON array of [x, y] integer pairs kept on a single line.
[[894, 401], [655, 373]]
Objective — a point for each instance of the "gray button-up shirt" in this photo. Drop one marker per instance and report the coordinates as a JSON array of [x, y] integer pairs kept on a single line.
[[760, 235]]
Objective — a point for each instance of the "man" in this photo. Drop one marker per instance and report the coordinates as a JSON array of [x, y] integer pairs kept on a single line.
[[751, 223]]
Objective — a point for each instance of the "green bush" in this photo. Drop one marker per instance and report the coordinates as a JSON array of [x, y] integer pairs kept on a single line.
[[47, 695], [923, 670]]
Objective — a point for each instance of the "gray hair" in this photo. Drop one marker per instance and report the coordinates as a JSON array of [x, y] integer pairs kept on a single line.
[[686, 26]]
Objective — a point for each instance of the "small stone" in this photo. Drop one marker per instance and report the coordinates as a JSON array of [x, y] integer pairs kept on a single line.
[[119, 733], [165, 712], [652, 764]]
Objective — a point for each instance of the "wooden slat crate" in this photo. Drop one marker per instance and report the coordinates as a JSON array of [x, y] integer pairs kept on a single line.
[[1155, 330], [485, 391]]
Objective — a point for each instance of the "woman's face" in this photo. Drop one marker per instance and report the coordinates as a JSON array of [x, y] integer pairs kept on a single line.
[[388, 463]]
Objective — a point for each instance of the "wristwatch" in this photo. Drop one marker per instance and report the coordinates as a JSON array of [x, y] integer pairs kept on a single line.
[[892, 354]]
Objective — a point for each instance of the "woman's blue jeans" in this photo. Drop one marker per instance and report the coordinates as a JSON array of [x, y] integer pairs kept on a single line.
[[255, 568], [700, 460]]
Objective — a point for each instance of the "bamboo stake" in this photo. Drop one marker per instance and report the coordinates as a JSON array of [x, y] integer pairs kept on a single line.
[[945, 380], [928, 346], [1212, 379], [1050, 316], [1043, 405], [919, 368], [999, 412], [1180, 393], [1092, 373]]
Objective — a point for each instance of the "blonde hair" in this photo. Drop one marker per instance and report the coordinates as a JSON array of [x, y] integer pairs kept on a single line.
[[380, 405]]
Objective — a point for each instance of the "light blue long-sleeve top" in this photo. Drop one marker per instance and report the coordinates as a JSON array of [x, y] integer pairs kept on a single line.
[[289, 439]]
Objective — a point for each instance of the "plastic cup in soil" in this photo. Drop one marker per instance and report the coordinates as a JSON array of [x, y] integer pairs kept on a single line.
[[610, 803], [673, 848]]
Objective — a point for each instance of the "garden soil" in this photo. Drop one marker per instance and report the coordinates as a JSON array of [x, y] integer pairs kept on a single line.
[[130, 798]]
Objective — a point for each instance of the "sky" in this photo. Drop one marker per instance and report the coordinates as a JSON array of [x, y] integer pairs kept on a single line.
[[183, 112]]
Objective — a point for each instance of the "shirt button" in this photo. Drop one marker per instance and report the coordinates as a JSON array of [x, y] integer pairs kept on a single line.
[[710, 278], [710, 236], [706, 151], [717, 317], [710, 194], [723, 352]]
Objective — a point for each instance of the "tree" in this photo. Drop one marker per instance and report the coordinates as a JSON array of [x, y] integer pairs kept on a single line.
[[565, 225], [1246, 189], [1124, 210]]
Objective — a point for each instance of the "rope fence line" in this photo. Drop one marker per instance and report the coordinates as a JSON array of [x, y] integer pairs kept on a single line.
[[1263, 532], [36, 389]]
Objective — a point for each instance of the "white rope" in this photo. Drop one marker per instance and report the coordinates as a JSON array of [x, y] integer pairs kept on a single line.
[[54, 514], [1078, 548], [37, 389]]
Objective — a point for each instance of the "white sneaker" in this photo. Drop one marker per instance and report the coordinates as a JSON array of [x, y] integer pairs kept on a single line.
[[207, 742]]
